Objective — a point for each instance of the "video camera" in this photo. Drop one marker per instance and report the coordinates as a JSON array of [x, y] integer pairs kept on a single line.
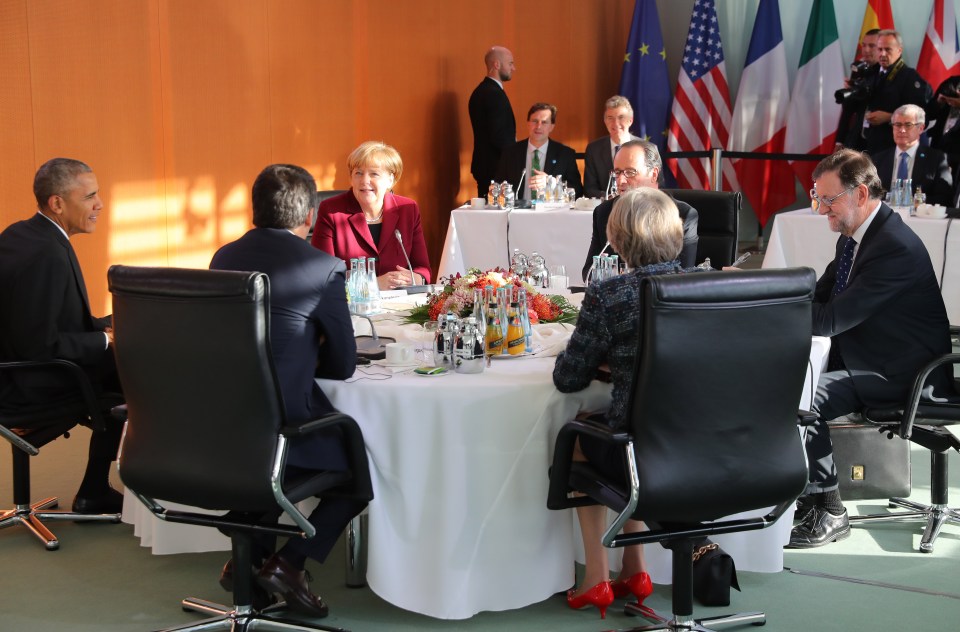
[[858, 86]]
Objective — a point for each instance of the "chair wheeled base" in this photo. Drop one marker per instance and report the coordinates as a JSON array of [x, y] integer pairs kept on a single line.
[[937, 513], [241, 618], [702, 624]]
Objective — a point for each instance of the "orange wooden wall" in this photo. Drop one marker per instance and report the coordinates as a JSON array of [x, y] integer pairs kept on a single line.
[[178, 104]]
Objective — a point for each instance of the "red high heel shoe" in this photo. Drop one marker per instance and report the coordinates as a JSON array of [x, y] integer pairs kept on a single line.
[[600, 596], [639, 584]]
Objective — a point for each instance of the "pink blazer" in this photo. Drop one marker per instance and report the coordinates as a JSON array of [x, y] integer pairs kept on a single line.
[[342, 231]]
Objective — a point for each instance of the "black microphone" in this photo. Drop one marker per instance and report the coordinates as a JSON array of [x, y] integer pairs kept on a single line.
[[396, 234]]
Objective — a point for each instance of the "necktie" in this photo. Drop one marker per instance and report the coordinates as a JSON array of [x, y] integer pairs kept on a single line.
[[616, 148], [536, 160], [902, 173], [843, 266]]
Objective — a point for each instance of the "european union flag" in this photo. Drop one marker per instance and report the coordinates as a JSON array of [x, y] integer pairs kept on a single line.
[[643, 79]]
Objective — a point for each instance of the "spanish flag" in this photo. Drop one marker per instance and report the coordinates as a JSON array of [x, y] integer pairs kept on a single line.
[[876, 16]]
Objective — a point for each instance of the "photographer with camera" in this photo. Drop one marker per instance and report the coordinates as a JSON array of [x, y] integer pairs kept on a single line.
[[943, 112], [853, 96], [894, 84]]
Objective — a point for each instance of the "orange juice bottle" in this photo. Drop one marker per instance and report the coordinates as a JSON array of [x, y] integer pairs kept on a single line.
[[494, 334], [515, 335]]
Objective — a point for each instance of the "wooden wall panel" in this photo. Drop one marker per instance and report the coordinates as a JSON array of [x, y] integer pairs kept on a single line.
[[178, 104]]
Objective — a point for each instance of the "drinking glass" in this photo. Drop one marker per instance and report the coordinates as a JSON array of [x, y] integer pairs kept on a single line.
[[425, 350], [559, 280]]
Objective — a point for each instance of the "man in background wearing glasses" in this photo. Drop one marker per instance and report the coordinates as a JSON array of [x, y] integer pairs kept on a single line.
[[879, 302], [927, 167], [598, 159], [636, 165]]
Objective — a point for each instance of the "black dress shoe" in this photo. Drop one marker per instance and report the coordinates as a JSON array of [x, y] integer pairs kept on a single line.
[[260, 597], [110, 502], [805, 505], [278, 576], [821, 527]]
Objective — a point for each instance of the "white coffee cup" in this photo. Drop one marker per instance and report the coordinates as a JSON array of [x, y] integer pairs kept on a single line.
[[477, 203], [400, 353]]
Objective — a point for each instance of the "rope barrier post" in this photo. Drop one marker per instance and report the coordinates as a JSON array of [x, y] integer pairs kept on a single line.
[[716, 170]]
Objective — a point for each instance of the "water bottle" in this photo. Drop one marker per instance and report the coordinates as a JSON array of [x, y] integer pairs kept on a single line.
[[501, 195], [509, 198], [540, 277], [361, 289], [493, 192], [525, 317], [373, 288]]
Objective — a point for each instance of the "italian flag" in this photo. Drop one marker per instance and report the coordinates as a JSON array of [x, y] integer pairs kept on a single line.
[[813, 114]]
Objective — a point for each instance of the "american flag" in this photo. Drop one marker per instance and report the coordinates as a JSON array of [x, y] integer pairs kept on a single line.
[[700, 116]]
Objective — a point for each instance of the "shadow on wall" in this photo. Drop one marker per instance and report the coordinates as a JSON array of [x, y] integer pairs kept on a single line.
[[445, 152]]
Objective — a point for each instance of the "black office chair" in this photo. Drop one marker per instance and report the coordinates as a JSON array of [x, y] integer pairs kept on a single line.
[[718, 225], [321, 196], [713, 420], [923, 423], [206, 421], [29, 427]]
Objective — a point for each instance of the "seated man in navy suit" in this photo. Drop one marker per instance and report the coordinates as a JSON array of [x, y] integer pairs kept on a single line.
[[927, 167], [880, 304], [310, 332], [538, 156]]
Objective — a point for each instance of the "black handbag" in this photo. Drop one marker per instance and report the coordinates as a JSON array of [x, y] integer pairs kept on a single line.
[[713, 574], [869, 465]]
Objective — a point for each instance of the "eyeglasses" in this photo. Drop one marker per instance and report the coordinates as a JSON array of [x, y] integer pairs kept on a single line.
[[827, 201], [627, 173], [906, 126]]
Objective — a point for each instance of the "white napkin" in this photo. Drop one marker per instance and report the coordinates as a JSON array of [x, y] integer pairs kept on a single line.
[[551, 338]]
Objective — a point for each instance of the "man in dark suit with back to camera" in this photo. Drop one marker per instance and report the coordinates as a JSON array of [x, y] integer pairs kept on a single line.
[[45, 313], [928, 168], [491, 116], [880, 304], [638, 164], [598, 161], [538, 156], [310, 334]]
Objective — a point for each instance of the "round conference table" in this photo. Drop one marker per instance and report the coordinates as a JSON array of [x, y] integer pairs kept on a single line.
[[459, 463]]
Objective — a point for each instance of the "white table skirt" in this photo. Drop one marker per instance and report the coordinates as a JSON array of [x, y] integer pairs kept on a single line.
[[459, 524], [802, 238], [486, 239]]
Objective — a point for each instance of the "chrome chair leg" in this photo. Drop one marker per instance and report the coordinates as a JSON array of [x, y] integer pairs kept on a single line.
[[356, 551], [702, 624]]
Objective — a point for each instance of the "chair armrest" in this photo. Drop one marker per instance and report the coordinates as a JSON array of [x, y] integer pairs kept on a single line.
[[72, 370], [563, 456], [361, 486], [910, 411], [806, 418]]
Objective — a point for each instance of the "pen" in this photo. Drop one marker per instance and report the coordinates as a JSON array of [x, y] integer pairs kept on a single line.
[[740, 259]]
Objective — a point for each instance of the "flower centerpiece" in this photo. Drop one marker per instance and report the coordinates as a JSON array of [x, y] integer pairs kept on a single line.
[[457, 296]]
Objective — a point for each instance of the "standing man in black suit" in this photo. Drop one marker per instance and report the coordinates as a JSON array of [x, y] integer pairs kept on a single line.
[[928, 168], [895, 84], [538, 156], [636, 165], [598, 162], [45, 312], [491, 116], [310, 333], [881, 306]]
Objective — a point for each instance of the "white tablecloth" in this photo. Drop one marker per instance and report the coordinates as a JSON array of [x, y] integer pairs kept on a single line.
[[486, 239], [459, 463], [802, 238]]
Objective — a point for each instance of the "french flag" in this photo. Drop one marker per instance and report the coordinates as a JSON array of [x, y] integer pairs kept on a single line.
[[760, 117]]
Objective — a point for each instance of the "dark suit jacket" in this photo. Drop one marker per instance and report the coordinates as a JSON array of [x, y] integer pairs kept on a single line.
[[494, 129], [890, 319], [949, 142], [598, 239], [559, 161], [900, 86], [307, 300], [597, 165], [44, 309], [342, 231], [930, 172]]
